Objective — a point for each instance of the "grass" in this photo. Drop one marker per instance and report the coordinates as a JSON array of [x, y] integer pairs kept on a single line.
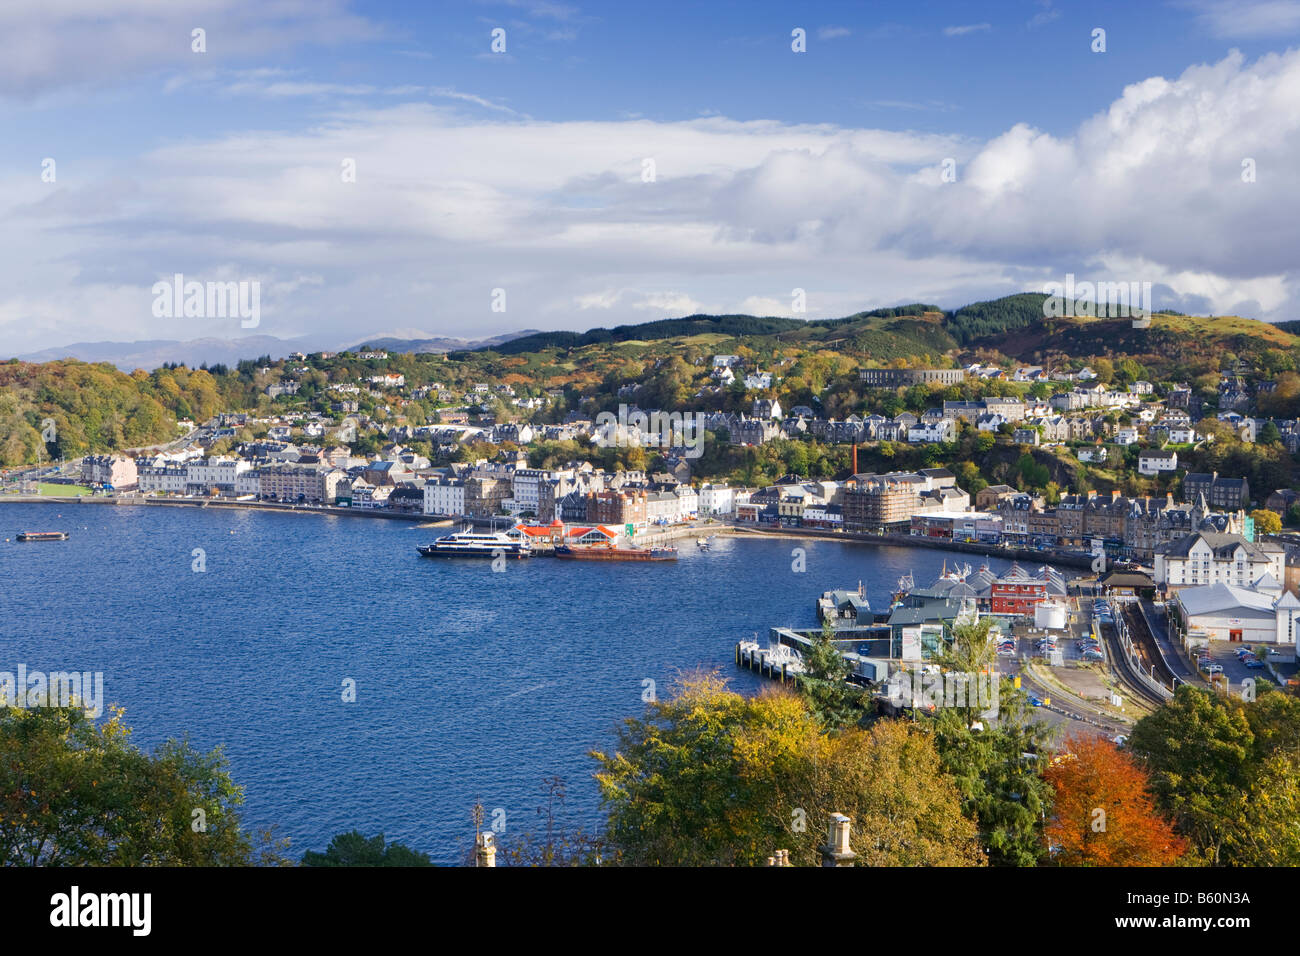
[[64, 491]]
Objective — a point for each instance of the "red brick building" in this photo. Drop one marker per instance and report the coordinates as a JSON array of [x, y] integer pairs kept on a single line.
[[1017, 591]]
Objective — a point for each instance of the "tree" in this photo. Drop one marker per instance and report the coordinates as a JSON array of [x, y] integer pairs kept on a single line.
[[1269, 434], [824, 682], [356, 849], [74, 792], [995, 767], [1103, 814], [710, 777], [1227, 771], [1266, 522], [558, 844]]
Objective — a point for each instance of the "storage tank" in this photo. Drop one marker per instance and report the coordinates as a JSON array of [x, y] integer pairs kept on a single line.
[[1049, 614]]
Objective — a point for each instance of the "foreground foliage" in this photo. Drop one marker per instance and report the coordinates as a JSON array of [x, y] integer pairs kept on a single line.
[[74, 792], [710, 777]]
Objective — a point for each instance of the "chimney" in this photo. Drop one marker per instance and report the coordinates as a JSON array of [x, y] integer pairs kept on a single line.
[[837, 851], [855, 458], [1114, 494], [485, 850]]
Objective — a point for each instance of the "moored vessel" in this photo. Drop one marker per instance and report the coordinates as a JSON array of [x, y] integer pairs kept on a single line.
[[42, 536], [477, 544], [601, 553]]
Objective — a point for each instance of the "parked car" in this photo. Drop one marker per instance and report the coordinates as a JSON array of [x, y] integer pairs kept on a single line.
[[1254, 663], [1214, 669], [1035, 701]]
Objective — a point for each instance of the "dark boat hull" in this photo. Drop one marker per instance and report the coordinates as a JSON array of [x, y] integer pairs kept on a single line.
[[452, 553], [614, 554]]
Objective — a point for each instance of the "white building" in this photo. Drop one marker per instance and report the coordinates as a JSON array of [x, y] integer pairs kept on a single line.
[[1209, 557], [160, 477], [246, 482], [524, 484], [1263, 614], [219, 472], [930, 432], [1155, 461], [444, 496], [717, 499]]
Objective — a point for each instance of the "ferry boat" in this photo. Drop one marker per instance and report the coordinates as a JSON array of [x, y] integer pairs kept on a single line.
[[610, 553], [477, 544], [42, 536]]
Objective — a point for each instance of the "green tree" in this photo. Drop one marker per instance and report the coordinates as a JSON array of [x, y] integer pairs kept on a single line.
[[1226, 770], [995, 767], [76, 792], [710, 777], [1266, 522], [824, 682], [356, 849]]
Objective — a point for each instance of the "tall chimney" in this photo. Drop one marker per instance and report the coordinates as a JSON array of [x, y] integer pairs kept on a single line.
[[837, 851], [485, 850], [855, 458]]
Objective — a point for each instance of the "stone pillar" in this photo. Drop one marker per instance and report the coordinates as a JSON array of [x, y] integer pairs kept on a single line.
[[837, 851], [485, 850]]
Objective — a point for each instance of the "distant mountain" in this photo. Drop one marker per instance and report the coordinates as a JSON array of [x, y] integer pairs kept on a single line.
[[439, 344], [151, 354]]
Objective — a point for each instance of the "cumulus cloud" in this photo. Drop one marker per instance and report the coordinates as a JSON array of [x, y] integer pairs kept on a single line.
[[448, 206]]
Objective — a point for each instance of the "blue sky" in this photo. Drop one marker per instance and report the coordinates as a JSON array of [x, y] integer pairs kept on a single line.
[[477, 170]]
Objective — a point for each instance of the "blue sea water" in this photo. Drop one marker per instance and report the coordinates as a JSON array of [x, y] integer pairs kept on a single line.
[[471, 686]]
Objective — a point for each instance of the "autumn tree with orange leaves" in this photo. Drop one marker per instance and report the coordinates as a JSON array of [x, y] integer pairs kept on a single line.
[[1104, 814]]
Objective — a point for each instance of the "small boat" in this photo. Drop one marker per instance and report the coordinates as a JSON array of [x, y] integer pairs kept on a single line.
[[603, 553], [477, 544], [702, 544], [41, 536]]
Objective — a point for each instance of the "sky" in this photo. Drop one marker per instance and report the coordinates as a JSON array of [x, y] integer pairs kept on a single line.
[[380, 168]]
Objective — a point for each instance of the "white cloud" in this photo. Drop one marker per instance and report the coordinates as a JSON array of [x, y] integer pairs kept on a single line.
[[958, 31], [833, 33], [448, 206], [51, 44], [1241, 19]]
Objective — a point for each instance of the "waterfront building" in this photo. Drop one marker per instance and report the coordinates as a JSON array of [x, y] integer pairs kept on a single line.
[[312, 484], [160, 477], [444, 496], [1017, 592], [716, 499], [116, 470], [1208, 557], [214, 475], [617, 507]]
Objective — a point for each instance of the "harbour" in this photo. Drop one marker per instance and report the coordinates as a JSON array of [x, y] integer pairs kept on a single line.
[[471, 685]]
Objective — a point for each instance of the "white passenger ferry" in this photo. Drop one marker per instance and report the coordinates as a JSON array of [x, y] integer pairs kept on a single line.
[[477, 544]]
